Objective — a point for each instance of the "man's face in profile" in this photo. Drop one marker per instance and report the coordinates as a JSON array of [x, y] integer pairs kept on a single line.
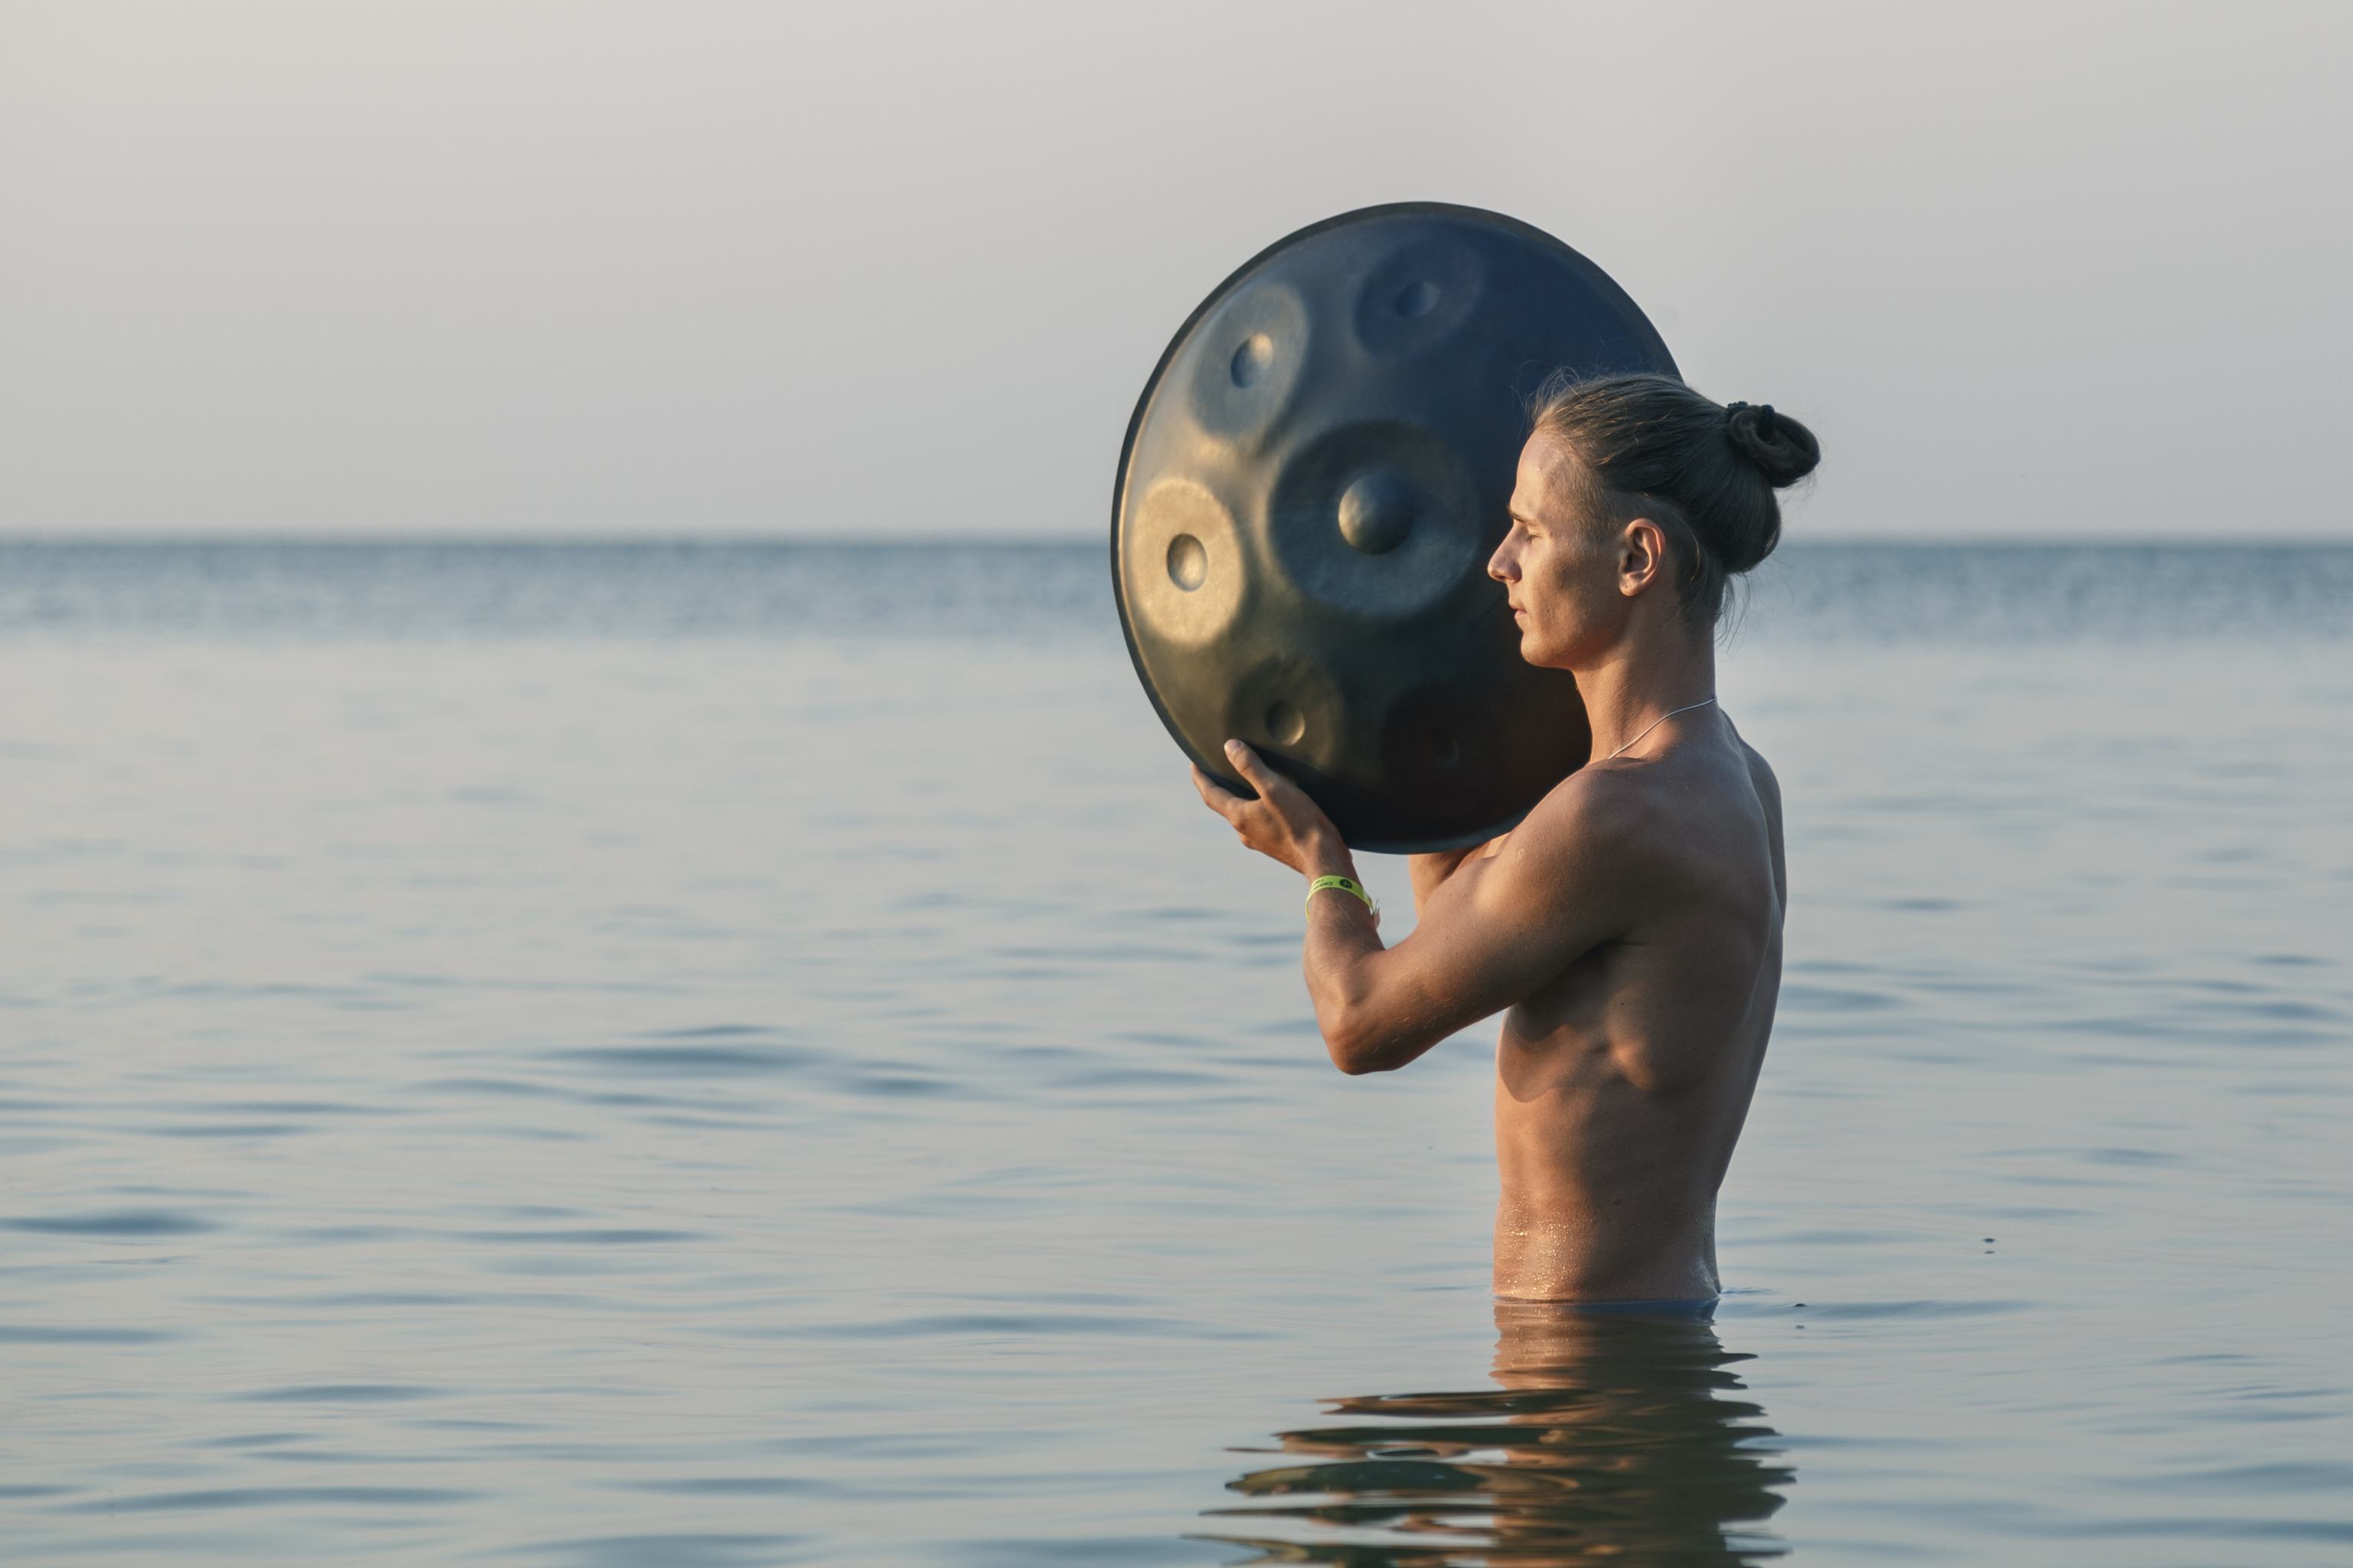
[[1556, 565]]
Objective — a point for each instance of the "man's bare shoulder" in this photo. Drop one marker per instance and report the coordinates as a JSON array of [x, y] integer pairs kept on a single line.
[[1642, 819], [1599, 819], [1580, 866], [1768, 788], [1760, 775]]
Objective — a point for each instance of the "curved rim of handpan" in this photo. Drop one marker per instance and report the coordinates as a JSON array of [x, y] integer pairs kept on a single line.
[[1216, 767]]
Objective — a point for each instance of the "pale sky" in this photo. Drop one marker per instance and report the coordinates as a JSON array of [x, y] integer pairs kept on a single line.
[[495, 269]]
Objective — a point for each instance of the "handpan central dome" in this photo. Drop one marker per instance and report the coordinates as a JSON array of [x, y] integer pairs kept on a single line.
[[1312, 482]]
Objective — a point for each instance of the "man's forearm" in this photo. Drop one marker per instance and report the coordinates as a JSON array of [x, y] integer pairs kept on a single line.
[[1342, 936]]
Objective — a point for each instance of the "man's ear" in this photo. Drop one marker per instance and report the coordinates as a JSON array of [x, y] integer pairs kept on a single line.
[[1641, 556]]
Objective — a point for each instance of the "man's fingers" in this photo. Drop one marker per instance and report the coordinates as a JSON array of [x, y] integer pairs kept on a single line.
[[1214, 795], [1270, 784], [1261, 777]]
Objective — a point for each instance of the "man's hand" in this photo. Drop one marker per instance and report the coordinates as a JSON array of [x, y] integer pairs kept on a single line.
[[1281, 823]]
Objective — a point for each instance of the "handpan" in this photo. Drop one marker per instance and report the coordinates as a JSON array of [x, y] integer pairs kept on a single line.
[[1312, 482]]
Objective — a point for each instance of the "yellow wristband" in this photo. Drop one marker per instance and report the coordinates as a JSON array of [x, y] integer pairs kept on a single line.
[[1345, 884]]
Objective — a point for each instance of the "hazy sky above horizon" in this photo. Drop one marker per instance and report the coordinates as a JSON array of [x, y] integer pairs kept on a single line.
[[503, 268]]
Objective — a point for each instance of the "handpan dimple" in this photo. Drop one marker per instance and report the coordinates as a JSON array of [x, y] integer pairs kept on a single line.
[[1376, 512], [1188, 562], [1421, 509], [1419, 293], [1182, 571], [1248, 363], [1312, 486], [1250, 360]]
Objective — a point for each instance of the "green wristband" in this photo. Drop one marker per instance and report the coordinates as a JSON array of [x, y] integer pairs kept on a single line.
[[1345, 884]]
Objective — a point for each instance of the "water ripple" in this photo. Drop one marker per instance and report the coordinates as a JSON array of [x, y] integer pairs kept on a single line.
[[128, 1223], [342, 1394], [277, 1497]]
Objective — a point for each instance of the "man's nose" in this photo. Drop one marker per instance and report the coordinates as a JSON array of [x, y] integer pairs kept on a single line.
[[1499, 565]]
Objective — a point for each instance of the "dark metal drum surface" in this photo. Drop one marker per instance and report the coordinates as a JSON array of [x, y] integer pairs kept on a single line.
[[1311, 485]]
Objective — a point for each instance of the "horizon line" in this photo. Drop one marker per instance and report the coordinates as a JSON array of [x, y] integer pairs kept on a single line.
[[1060, 542]]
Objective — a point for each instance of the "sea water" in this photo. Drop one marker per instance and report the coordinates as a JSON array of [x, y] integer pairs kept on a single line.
[[614, 1054]]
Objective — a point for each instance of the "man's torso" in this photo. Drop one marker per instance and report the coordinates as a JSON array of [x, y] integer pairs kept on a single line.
[[1621, 1085]]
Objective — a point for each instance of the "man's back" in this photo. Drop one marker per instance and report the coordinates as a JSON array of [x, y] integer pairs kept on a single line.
[[1620, 1085]]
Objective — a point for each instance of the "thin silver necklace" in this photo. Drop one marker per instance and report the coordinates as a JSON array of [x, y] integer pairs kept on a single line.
[[1655, 723]]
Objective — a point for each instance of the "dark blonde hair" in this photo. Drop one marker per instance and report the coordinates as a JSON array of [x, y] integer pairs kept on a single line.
[[1650, 447]]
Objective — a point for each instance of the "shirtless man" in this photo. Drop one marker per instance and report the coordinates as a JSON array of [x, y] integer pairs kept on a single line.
[[1628, 929]]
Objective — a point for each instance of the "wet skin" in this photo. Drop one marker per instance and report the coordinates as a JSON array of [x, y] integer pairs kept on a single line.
[[1629, 929]]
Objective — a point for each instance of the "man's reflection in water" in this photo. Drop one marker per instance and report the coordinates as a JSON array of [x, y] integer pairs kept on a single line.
[[1612, 1435]]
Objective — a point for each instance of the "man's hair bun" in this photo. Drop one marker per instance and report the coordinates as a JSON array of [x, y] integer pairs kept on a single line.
[[1783, 450]]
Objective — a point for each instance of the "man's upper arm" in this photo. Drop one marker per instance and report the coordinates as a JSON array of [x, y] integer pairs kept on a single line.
[[1502, 926]]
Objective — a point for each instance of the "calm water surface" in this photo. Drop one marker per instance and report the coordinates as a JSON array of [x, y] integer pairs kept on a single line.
[[604, 1056]]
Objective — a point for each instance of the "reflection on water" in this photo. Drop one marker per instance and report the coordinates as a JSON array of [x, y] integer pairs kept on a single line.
[[1608, 1436]]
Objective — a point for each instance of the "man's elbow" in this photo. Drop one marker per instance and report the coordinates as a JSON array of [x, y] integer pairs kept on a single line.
[[1364, 1031], [1356, 1050]]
